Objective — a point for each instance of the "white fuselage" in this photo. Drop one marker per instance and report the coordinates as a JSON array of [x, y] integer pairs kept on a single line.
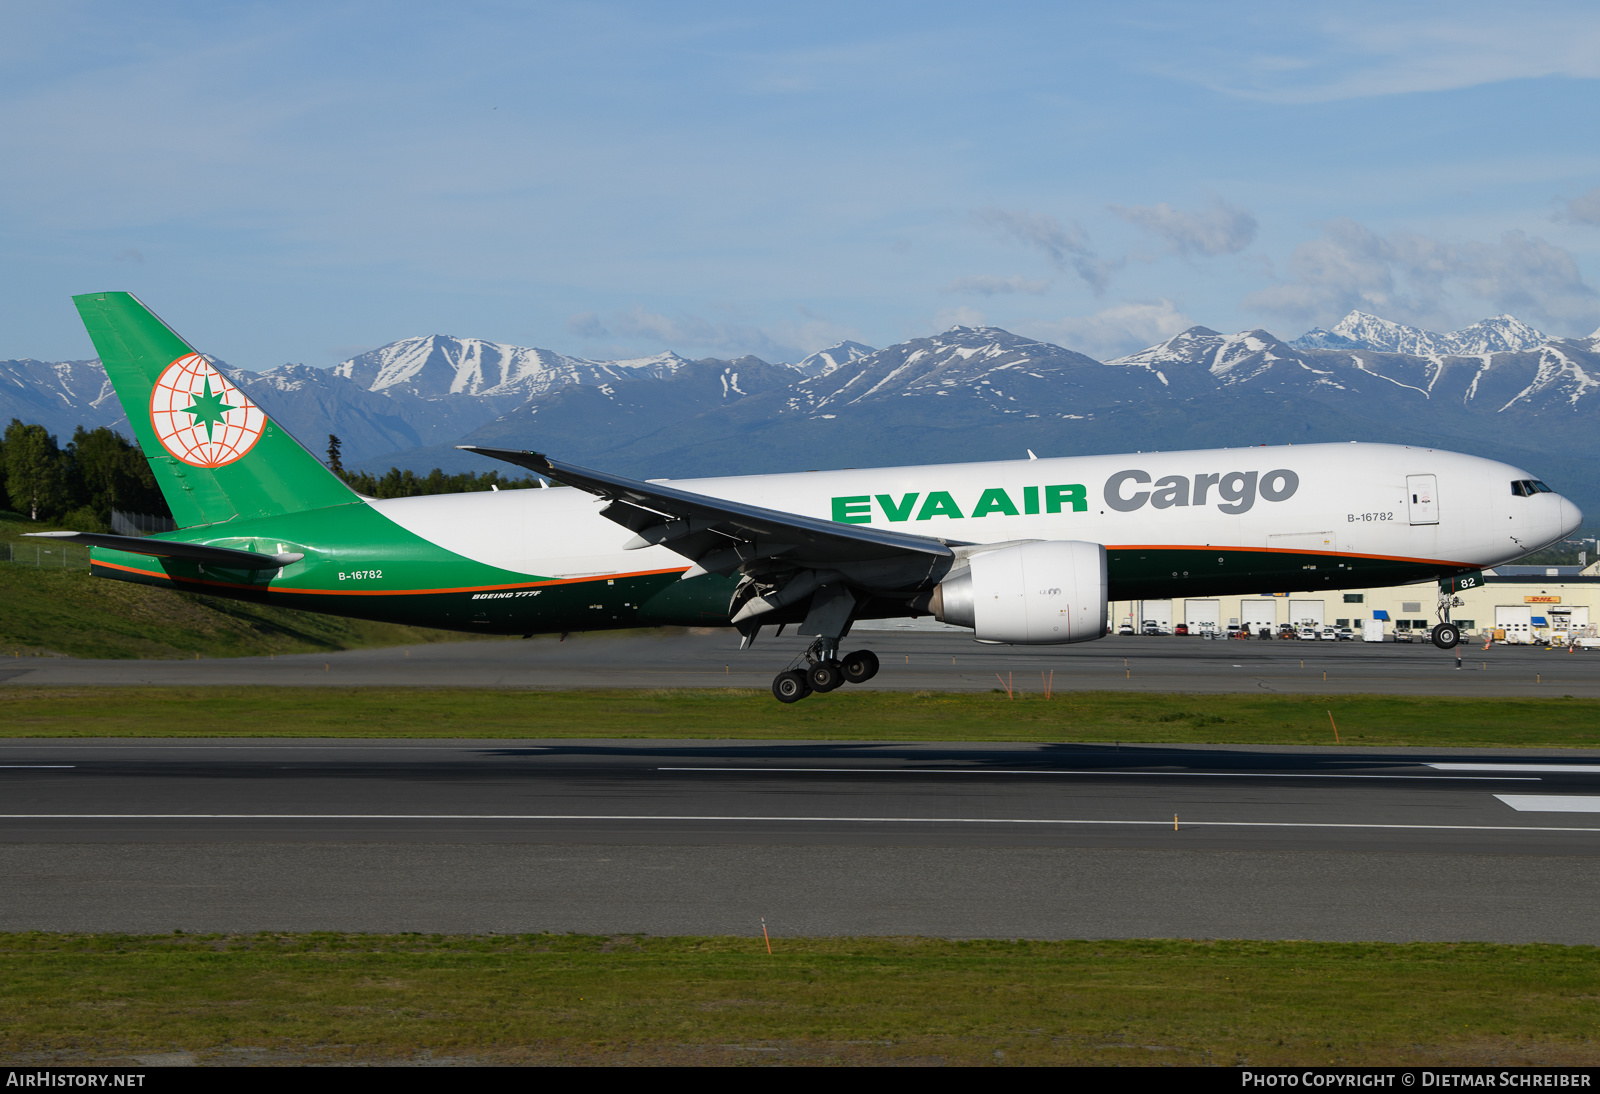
[[1359, 500]]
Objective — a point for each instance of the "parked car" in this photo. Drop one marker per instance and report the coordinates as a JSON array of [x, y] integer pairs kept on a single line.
[[1346, 634], [1328, 634], [1181, 628], [1306, 634], [1402, 634], [1150, 626], [1126, 628]]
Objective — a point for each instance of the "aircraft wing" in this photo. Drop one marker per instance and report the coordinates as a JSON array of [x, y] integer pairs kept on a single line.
[[721, 535]]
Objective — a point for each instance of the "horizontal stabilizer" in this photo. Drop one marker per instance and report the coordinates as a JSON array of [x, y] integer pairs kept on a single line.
[[163, 548]]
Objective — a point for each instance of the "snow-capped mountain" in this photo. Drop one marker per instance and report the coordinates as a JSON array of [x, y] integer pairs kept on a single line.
[[825, 361], [436, 365], [1550, 375], [1358, 330], [578, 417], [1200, 359], [965, 393], [995, 368], [59, 395]]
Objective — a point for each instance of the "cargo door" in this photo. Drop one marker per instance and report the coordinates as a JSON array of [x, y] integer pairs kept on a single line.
[[1422, 499], [1305, 613]]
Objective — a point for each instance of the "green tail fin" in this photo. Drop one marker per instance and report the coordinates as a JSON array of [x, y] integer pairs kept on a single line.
[[214, 453]]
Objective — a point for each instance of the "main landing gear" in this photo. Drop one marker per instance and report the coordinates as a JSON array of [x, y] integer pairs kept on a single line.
[[824, 670]]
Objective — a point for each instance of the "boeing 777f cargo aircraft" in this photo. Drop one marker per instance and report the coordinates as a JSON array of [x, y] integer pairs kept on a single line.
[[1025, 551]]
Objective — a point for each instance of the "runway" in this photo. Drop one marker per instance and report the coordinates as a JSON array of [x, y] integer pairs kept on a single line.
[[912, 661], [698, 837]]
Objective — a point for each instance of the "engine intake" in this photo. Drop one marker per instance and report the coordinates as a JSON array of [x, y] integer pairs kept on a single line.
[[1031, 594]]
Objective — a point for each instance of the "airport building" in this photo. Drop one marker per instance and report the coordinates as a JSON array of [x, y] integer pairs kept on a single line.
[[1528, 603]]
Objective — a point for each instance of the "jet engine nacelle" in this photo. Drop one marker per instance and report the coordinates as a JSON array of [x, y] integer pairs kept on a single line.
[[1031, 594]]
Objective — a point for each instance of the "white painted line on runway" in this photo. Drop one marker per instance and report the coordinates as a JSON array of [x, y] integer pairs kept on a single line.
[[1552, 803], [1572, 769], [1151, 774], [782, 820], [35, 767]]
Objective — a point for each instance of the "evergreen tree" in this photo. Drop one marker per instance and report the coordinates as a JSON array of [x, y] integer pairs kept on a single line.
[[396, 483], [33, 469], [335, 446], [104, 472]]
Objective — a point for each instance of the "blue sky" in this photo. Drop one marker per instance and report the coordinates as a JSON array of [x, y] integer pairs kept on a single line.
[[300, 182]]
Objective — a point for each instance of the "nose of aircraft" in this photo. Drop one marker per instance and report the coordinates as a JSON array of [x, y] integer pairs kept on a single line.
[[1571, 517]]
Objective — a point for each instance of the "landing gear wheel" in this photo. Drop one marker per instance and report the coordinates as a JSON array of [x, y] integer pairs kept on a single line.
[[790, 687], [859, 667], [1447, 636], [825, 676]]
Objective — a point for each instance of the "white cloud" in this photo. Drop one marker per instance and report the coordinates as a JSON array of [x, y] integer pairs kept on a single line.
[[1416, 279], [1065, 244], [586, 324], [1114, 331], [986, 285], [1218, 229], [1361, 51], [1583, 209]]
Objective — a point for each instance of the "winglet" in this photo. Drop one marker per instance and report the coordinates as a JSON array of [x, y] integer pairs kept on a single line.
[[533, 461]]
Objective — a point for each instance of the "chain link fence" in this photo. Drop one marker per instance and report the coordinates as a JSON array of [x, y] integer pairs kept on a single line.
[[58, 556]]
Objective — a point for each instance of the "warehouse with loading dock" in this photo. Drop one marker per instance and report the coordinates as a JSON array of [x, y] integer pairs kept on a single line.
[[1526, 603]]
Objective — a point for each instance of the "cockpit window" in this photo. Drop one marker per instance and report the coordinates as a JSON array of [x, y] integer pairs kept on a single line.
[[1541, 487], [1527, 488]]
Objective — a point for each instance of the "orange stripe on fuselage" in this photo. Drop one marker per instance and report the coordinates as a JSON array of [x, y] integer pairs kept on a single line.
[[381, 592]]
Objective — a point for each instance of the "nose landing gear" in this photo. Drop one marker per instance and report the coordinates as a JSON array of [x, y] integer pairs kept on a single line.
[[1446, 635]]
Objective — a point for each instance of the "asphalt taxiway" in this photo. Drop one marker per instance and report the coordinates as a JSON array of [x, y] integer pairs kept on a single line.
[[698, 837], [912, 660]]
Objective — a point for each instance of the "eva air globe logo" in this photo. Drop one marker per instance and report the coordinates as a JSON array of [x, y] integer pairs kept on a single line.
[[201, 418]]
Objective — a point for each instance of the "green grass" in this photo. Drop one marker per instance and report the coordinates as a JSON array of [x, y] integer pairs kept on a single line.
[[51, 610], [574, 999], [1368, 720]]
